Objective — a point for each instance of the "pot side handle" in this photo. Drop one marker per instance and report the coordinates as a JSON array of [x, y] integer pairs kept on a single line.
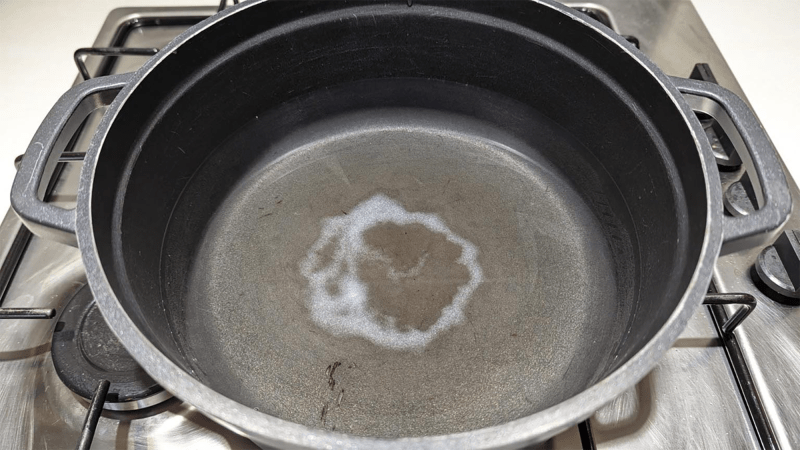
[[759, 158], [59, 126]]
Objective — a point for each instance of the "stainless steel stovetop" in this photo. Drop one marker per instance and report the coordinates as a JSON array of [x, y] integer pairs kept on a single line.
[[707, 392]]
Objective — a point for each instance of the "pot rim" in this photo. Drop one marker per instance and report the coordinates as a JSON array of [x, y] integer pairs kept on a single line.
[[271, 430]]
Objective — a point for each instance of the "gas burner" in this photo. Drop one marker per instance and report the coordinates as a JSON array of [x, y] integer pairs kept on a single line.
[[86, 352]]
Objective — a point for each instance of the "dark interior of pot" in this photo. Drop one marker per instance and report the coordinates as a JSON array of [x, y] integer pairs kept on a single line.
[[399, 221]]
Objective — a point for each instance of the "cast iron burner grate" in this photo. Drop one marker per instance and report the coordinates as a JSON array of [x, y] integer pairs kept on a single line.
[[86, 352]]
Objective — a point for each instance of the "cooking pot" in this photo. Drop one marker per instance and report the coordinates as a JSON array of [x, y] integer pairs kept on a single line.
[[357, 224]]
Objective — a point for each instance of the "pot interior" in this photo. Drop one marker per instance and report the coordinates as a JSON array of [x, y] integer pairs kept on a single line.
[[393, 221]]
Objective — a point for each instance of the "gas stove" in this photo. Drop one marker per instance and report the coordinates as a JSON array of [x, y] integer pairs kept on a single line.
[[715, 388]]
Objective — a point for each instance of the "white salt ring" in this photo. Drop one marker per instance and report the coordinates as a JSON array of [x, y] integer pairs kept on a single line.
[[347, 313]]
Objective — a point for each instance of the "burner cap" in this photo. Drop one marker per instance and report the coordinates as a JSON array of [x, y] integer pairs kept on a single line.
[[85, 351]]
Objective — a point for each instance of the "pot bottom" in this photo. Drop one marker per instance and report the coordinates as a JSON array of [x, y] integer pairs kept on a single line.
[[412, 273]]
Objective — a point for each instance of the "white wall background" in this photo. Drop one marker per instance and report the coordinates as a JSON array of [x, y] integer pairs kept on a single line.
[[759, 38]]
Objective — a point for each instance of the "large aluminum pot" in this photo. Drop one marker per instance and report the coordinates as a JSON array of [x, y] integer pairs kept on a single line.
[[392, 224]]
